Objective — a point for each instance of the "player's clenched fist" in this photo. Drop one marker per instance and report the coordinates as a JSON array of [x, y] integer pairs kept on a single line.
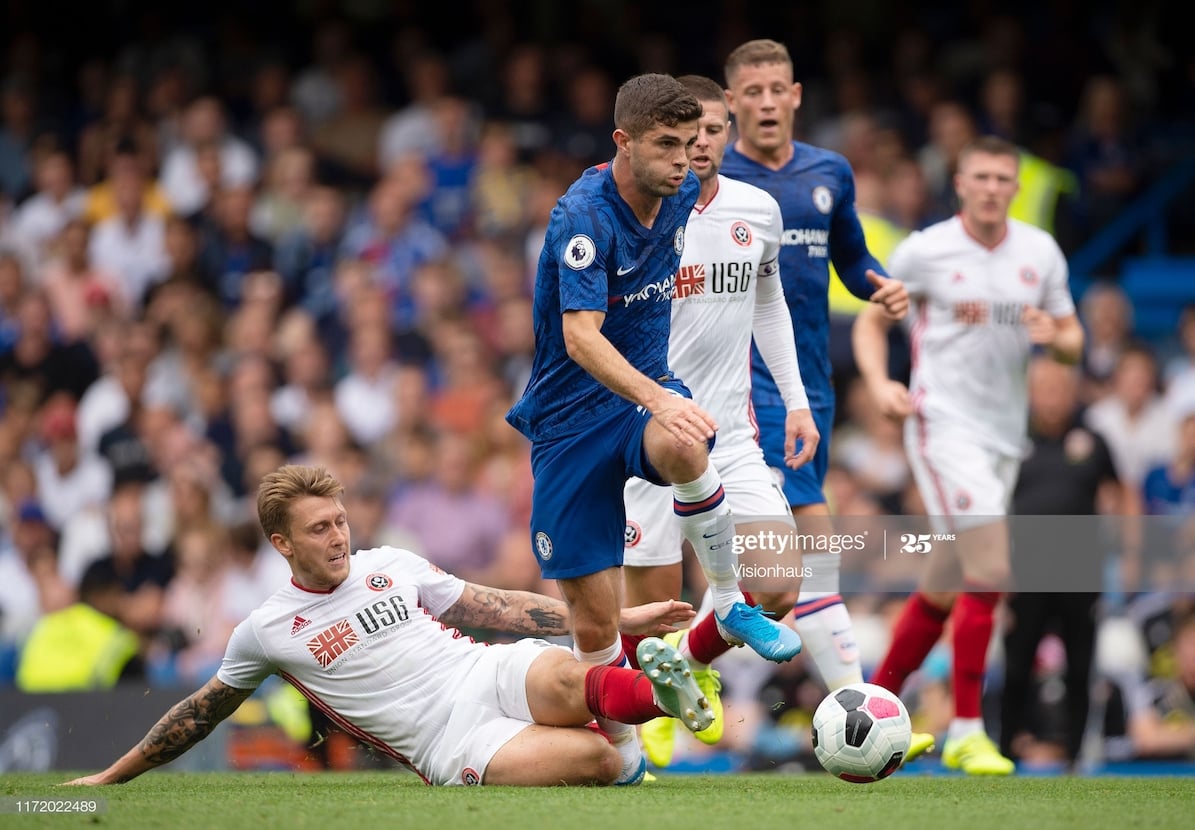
[[1042, 327], [892, 399]]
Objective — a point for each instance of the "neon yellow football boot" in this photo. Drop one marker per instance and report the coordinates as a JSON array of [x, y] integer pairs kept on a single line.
[[921, 743], [976, 754]]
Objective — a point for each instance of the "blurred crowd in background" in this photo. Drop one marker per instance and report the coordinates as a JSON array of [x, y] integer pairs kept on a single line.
[[258, 236]]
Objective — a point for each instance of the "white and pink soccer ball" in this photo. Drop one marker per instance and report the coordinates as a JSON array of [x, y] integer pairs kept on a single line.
[[861, 733]]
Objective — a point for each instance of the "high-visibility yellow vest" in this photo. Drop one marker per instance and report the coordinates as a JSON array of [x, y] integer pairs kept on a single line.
[[1041, 185], [882, 238], [73, 650]]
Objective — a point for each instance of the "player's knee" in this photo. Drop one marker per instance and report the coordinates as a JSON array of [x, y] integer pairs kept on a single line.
[[681, 464], [942, 600], [567, 691], [604, 763], [592, 634], [778, 603]]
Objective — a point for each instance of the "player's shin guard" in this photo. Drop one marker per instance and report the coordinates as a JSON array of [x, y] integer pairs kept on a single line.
[[705, 519], [974, 615], [917, 630], [825, 627]]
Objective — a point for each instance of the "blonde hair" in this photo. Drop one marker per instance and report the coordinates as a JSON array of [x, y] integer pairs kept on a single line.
[[280, 489], [756, 53], [991, 145]]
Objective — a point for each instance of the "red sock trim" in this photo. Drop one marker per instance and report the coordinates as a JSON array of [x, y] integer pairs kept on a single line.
[[705, 643], [630, 642], [804, 609], [984, 593], [622, 695]]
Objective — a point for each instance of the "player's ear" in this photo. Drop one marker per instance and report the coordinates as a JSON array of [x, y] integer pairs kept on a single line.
[[796, 94], [729, 100], [622, 141], [281, 544]]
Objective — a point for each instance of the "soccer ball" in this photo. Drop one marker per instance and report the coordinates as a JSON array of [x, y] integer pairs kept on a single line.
[[861, 733]]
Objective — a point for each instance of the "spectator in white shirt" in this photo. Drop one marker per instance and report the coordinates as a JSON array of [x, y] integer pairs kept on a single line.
[[131, 246], [68, 481], [41, 218], [1139, 428], [205, 123], [365, 396]]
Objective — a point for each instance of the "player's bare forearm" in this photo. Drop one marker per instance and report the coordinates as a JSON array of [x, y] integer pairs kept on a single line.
[[524, 612], [869, 341], [1068, 341], [589, 349], [517, 612], [187, 723]]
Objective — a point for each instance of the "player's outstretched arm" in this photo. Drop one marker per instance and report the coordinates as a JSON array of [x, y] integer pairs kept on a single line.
[[890, 294], [524, 612], [187, 723], [869, 341]]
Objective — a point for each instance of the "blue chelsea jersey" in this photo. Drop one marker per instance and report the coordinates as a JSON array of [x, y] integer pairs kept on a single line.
[[816, 192], [598, 256]]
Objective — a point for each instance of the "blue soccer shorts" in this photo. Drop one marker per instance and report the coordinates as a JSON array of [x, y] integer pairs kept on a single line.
[[578, 518]]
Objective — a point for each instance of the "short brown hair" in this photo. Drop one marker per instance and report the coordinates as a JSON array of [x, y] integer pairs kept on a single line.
[[703, 88], [286, 485], [756, 53], [647, 100], [992, 145]]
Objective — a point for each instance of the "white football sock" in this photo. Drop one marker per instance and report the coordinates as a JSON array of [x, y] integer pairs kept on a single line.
[[705, 519], [825, 625]]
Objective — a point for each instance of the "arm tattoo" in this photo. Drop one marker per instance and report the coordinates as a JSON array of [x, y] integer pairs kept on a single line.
[[189, 721], [518, 612]]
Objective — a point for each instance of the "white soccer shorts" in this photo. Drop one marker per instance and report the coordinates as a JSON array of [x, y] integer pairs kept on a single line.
[[489, 709], [963, 484], [653, 535]]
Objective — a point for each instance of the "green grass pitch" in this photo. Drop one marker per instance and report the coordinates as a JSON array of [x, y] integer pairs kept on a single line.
[[230, 801]]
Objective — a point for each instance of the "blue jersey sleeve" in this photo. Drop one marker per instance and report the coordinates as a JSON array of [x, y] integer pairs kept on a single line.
[[848, 247], [581, 263]]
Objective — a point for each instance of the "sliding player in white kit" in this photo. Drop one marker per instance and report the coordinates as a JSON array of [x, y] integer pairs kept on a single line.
[[365, 637], [727, 289], [986, 290]]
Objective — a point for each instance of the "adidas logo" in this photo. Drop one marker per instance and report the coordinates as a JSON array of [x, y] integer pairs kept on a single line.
[[299, 625]]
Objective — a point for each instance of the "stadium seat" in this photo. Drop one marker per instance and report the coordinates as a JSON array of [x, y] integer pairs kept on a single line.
[[1159, 288]]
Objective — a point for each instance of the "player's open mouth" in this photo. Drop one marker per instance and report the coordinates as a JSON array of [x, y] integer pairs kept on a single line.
[[340, 557], [769, 123]]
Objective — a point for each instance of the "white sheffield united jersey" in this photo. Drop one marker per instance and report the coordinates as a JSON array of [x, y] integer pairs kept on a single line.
[[730, 244], [970, 349], [369, 653]]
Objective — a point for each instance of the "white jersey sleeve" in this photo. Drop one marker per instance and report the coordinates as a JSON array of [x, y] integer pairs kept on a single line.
[[438, 589], [904, 265], [1057, 300], [245, 663], [773, 332]]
